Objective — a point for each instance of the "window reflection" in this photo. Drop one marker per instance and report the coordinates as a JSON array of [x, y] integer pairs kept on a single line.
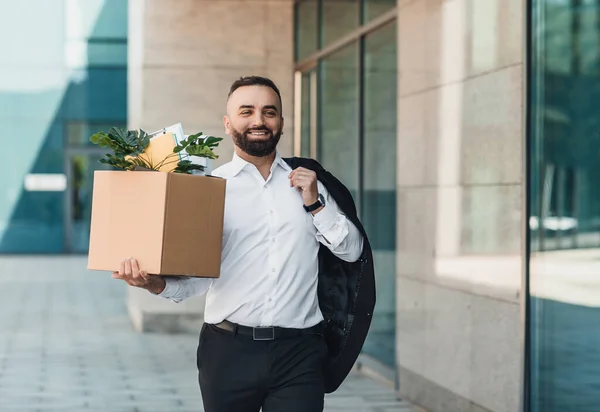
[[67, 70], [564, 221], [338, 111], [338, 17], [307, 35], [379, 191]]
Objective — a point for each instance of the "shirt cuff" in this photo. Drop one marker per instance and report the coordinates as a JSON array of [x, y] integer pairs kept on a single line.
[[171, 288], [325, 219]]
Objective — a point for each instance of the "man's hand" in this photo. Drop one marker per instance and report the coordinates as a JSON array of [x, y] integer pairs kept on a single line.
[[306, 181], [130, 272]]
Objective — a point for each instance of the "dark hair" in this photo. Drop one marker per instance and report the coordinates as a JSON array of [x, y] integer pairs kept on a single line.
[[254, 81]]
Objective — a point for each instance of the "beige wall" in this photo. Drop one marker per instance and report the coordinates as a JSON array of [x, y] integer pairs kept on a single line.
[[183, 57], [185, 54], [460, 139]]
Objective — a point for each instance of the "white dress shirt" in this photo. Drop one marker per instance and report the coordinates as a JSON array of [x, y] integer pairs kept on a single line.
[[269, 263]]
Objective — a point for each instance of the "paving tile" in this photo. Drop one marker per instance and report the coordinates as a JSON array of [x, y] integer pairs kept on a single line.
[[67, 344]]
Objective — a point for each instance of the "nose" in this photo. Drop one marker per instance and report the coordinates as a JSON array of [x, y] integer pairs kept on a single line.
[[258, 120]]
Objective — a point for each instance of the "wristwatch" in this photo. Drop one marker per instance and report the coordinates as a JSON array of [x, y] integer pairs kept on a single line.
[[320, 202]]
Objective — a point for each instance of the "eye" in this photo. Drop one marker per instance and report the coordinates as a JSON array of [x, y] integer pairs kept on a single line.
[[245, 112], [270, 113]]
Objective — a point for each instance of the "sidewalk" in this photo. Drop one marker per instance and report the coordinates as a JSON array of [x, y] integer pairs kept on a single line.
[[66, 344]]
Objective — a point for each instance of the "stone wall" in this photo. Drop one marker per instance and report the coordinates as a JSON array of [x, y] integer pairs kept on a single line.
[[460, 183]]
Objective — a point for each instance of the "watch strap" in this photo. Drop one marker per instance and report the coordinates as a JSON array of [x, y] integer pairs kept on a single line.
[[314, 206]]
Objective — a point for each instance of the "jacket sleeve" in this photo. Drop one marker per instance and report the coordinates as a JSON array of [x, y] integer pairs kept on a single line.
[[336, 231]]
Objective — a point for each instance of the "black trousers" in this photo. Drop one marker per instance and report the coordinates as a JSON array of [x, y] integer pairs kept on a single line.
[[239, 374]]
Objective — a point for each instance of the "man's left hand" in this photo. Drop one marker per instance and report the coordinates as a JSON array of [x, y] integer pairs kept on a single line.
[[305, 180]]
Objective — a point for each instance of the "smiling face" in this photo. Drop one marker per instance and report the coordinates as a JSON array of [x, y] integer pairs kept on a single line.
[[254, 119]]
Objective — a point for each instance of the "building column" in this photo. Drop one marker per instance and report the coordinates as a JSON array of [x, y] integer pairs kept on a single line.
[[460, 185], [183, 57]]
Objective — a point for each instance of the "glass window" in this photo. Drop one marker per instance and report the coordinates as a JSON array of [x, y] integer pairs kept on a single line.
[[564, 219], [69, 66], [338, 116], [78, 133], [338, 18], [80, 170], [306, 120], [375, 8], [379, 191], [307, 28]]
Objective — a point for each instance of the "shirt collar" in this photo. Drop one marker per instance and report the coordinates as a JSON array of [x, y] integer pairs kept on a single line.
[[239, 164]]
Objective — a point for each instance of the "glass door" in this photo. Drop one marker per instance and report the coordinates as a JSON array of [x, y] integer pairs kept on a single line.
[[80, 165], [305, 116], [345, 117]]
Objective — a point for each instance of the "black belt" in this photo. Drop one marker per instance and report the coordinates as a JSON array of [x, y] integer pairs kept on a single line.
[[270, 332]]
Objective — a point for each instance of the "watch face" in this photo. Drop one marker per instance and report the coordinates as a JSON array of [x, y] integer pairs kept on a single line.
[[322, 198]]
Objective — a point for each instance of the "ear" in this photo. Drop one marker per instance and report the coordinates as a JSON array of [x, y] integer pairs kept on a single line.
[[227, 124], [282, 125]]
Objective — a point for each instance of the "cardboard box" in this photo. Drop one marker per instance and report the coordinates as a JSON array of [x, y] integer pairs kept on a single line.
[[171, 223]]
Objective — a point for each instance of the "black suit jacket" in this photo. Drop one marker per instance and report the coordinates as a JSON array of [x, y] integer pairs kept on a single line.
[[346, 289]]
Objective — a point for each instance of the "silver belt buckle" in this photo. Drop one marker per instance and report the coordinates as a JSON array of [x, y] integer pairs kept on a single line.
[[263, 333]]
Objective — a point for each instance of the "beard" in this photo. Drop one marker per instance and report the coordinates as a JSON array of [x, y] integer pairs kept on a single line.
[[255, 147]]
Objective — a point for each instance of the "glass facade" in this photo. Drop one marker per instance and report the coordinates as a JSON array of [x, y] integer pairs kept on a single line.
[[348, 122], [338, 105], [564, 203], [66, 78], [375, 8]]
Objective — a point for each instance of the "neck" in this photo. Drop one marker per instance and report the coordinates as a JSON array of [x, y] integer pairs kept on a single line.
[[263, 164]]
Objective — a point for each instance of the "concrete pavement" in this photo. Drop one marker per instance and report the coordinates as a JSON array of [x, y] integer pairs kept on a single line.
[[67, 344]]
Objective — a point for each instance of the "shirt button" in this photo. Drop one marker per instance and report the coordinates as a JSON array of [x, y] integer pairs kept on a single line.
[[273, 270], [270, 300], [273, 239]]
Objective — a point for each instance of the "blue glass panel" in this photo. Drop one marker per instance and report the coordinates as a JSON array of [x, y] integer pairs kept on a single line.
[[68, 66], [564, 219]]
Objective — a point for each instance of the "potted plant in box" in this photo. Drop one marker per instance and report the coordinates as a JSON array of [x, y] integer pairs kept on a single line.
[[129, 146]]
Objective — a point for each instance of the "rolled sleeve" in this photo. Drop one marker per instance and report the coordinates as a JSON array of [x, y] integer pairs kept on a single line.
[[335, 231], [171, 290], [326, 218]]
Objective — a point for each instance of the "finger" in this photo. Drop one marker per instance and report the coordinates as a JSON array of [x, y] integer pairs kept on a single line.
[[295, 183], [301, 182], [122, 267], [128, 268], [135, 269], [306, 174], [144, 275], [116, 275]]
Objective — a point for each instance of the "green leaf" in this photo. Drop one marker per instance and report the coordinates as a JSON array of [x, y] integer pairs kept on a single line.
[[144, 139], [201, 151], [186, 167], [212, 141], [101, 139], [195, 136]]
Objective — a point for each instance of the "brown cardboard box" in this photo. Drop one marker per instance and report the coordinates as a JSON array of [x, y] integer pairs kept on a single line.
[[171, 223]]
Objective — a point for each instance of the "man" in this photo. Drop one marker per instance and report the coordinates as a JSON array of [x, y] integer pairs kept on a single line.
[[287, 245]]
